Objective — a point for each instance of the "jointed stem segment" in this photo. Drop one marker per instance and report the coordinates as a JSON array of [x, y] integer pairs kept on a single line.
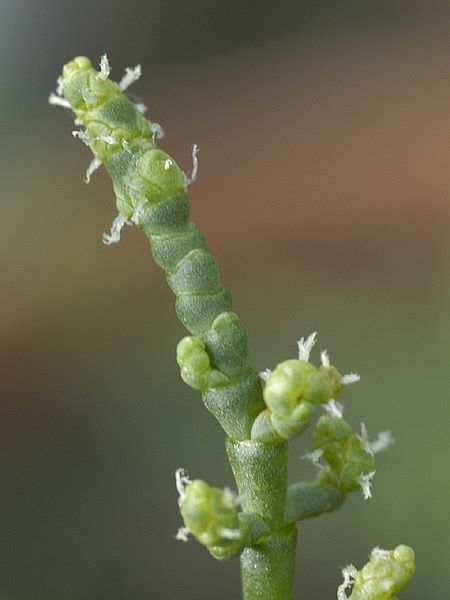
[[268, 568], [260, 471]]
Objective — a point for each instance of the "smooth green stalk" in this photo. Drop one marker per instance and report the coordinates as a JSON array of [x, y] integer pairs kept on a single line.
[[151, 192], [260, 471], [268, 568]]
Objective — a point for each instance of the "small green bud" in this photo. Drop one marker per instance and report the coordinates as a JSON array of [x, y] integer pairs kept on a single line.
[[75, 81], [195, 365], [294, 380], [79, 63], [334, 378], [84, 88], [286, 386], [386, 574], [291, 392], [210, 514], [159, 170], [330, 435], [350, 463], [235, 402]]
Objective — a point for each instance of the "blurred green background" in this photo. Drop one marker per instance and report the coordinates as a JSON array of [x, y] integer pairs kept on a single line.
[[324, 193]]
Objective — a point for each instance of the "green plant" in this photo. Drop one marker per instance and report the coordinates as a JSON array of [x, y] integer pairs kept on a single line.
[[151, 193]]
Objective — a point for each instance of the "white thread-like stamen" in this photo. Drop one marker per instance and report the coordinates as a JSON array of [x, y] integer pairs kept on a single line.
[[229, 497], [168, 163], [383, 440], [83, 136], [157, 131], [60, 86], [314, 457], [305, 346], [132, 74], [348, 573], [350, 378], [142, 108], [264, 375], [365, 481], [182, 534], [93, 166], [364, 438], [105, 69], [194, 174], [334, 409], [238, 498], [189, 179], [181, 480], [325, 358], [56, 100], [117, 225]]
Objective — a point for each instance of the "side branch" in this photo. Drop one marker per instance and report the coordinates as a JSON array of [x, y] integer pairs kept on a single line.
[[307, 499]]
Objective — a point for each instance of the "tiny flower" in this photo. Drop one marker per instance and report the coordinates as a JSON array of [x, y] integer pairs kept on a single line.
[[305, 346]]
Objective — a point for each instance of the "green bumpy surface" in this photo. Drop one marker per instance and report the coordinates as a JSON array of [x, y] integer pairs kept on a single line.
[[345, 453], [210, 514], [291, 392], [150, 189], [386, 574]]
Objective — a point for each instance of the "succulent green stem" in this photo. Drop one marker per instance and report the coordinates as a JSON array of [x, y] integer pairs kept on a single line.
[[260, 471], [268, 568], [307, 499], [151, 192]]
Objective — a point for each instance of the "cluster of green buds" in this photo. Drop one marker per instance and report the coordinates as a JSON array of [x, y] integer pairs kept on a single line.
[[292, 391], [209, 514], [349, 457], [215, 362], [218, 358], [350, 461], [387, 573]]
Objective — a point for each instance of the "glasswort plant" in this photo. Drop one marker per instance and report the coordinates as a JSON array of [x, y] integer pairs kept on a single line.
[[258, 412]]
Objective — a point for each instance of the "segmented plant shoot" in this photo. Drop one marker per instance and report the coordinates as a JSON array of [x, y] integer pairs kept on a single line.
[[259, 524]]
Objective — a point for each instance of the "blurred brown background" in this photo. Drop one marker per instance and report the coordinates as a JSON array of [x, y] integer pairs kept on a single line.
[[324, 192]]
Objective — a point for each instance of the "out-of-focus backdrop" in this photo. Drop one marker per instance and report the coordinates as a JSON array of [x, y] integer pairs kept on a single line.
[[324, 193]]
